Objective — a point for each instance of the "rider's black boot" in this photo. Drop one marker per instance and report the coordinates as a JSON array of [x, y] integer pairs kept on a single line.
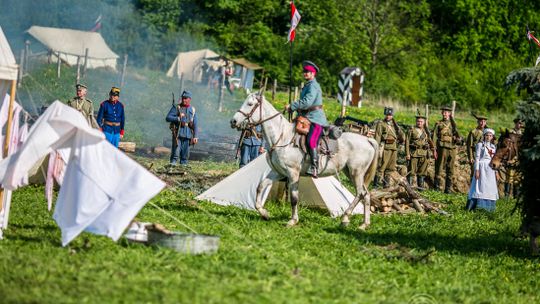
[[312, 170]]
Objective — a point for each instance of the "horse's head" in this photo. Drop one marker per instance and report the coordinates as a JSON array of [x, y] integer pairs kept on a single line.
[[250, 113], [507, 150]]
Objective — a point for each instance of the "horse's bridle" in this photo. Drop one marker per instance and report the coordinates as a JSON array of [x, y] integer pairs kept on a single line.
[[252, 124]]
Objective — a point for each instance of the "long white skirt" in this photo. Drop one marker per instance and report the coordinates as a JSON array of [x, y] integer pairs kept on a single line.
[[486, 186]]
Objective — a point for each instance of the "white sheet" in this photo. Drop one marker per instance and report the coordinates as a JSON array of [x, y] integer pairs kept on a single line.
[[103, 189]]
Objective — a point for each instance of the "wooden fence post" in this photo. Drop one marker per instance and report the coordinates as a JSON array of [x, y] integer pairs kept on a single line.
[[122, 78], [78, 69], [295, 93], [21, 70], [453, 107], [26, 52], [85, 66], [58, 65], [221, 85], [181, 80], [274, 88]]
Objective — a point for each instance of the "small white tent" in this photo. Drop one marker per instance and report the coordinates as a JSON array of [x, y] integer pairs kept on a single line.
[[240, 189], [8, 78], [71, 44], [189, 64]]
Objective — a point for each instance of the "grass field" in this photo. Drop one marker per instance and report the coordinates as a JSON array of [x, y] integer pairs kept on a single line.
[[463, 258]]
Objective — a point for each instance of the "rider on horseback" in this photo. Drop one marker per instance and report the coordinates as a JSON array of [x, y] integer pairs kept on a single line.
[[310, 106]]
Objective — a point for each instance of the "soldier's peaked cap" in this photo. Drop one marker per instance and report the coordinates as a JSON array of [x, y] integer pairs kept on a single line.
[[388, 111], [309, 63], [80, 86], [446, 108], [516, 120], [114, 91], [481, 117], [420, 116], [186, 94]]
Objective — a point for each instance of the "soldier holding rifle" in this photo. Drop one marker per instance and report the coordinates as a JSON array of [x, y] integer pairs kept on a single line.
[[387, 134], [446, 138], [417, 146], [250, 145], [183, 119]]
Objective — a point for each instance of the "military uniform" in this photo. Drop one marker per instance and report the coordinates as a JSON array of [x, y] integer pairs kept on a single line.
[[387, 135], [511, 176], [310, 106], [443, 137], [251, 145], [111, 118], [475, 136], [85, 106], [185, 118], [417, 146]]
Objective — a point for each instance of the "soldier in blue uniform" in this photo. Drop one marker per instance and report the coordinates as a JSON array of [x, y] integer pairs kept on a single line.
[[251, 146], [111, 117], [310, 106], [186, 119]]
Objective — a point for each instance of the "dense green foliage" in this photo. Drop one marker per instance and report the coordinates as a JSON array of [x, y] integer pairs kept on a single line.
[[413, 51], [469, 257], [529, 158]]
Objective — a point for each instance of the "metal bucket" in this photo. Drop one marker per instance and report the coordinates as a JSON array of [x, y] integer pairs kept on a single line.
[[184, 242]]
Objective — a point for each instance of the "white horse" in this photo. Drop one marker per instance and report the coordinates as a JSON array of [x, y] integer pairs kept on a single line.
[[356, 154]]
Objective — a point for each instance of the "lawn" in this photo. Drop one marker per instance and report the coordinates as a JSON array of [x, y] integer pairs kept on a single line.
[[416, 258]]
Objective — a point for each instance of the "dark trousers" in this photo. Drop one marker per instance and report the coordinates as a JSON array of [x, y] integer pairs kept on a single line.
[[174, 151], [181, 150], [248, 153]]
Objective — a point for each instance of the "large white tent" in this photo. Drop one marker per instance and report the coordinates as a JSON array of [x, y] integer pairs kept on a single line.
[[189, 64], [240, 188], [70, 45], [8, 78]]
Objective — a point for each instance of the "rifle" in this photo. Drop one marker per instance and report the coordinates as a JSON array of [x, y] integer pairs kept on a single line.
[[398, 134], [239, 145], [455, 132], [173, 125]]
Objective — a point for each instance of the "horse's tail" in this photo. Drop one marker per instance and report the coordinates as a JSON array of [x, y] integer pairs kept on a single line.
[[372, 169]]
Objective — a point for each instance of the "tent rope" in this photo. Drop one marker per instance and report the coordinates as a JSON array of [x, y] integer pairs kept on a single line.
[[173, 217]]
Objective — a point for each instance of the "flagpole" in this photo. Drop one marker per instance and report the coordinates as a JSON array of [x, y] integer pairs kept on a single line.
[[290, 77]]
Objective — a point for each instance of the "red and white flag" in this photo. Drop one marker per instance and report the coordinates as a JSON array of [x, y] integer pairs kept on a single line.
[[97, 24], [295, 19], [530, 37]]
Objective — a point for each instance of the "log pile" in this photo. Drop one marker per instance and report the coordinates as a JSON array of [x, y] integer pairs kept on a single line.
[[127, 146], [401, 198]]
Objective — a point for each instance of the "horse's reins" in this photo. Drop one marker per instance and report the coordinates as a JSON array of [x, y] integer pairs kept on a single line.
[[251, 124]]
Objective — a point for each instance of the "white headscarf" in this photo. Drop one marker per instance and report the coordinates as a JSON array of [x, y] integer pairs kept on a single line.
[[488, 130]]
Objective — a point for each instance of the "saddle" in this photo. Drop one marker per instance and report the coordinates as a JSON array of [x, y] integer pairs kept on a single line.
[[327, 145]]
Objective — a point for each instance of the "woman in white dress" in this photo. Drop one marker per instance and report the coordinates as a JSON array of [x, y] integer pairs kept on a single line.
[[483, 192]]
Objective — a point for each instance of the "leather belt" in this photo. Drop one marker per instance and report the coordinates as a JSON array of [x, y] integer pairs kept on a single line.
[[112, 124]]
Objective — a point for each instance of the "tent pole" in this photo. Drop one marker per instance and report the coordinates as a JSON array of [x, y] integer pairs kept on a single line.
[[8, 131]]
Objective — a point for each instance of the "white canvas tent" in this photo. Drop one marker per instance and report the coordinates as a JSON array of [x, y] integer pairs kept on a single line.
[[189, 64], [240, 188], [8, 78], [71, 44]]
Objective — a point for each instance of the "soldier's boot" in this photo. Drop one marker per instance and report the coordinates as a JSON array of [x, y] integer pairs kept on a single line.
[[376, 181], [313, 168], [437, 184], [410, 179], [385, 181], [420, 182], [506, 189], [448, 186]]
